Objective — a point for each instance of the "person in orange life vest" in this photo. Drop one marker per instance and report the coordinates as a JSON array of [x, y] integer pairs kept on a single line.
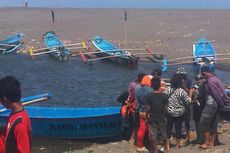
[[141, 94], [17, 135], [129, 104], [131, 90], [128, 109]]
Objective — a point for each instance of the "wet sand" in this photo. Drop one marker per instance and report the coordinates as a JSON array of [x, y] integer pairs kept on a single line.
[[171, 32]]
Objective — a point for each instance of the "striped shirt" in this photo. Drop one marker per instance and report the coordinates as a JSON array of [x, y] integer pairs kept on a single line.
[[177, 102]]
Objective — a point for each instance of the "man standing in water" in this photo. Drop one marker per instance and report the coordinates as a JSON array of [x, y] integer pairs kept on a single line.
[[17, 135]]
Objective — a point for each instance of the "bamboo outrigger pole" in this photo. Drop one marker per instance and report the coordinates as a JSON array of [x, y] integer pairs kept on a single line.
[[28, 103]]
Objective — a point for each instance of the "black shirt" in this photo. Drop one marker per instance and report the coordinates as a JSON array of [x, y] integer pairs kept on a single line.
[[156, 103]]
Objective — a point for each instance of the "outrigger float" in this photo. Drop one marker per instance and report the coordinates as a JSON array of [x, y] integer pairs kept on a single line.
[[11, 44]]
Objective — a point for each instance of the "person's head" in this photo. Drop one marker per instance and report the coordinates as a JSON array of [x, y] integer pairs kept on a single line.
[[146, 81], [181, 71], [10, 91], [156, 83], [177, 81], [157, 72], [140, 77], [205, 71]]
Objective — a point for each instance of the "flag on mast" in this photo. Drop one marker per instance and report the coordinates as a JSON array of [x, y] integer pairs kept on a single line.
[[125, 15], [52, 13]]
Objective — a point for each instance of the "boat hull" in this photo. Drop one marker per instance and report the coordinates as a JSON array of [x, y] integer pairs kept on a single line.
[[73, 123], [131, 61], [54, 43], [116, 54], [11, 44], [204, 54]]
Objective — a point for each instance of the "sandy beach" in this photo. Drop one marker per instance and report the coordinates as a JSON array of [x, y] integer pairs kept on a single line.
[[171, 32]]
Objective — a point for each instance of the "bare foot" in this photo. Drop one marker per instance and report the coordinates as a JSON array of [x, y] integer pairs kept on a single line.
[[204, 146]]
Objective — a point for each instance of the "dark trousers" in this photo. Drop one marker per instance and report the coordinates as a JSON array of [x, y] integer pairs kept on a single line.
[[178, 125]]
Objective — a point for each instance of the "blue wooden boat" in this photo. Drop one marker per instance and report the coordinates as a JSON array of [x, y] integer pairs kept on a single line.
[[204, 53], [11, 43], [114, 53], [53, 43], [72, 123]]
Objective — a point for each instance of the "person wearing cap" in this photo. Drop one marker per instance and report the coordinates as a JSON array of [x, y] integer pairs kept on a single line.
[[188, 88], [216, 99], [140, 98]]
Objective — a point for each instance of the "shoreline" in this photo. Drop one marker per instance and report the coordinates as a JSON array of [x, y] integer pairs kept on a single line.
[[118, 145], [169, 31]]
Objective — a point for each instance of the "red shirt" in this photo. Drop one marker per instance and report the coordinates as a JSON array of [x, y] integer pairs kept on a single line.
[[18, 133]]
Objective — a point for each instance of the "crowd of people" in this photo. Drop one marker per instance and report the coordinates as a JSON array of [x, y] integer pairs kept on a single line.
[[152, 107], [149, 110]]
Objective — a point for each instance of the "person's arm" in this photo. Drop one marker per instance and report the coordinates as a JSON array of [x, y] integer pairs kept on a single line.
[[2, 143], [186, 97], [23, 138]]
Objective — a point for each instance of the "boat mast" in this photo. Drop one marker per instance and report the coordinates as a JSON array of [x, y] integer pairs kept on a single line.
[[25, 3]]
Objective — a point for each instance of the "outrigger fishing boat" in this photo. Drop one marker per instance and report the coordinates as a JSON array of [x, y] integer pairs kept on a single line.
[[204, 53], [11, 43], [56, 47], [72, 123], [108, 51]]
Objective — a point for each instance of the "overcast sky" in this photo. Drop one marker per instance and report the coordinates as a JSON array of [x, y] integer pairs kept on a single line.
[[122, 3]]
